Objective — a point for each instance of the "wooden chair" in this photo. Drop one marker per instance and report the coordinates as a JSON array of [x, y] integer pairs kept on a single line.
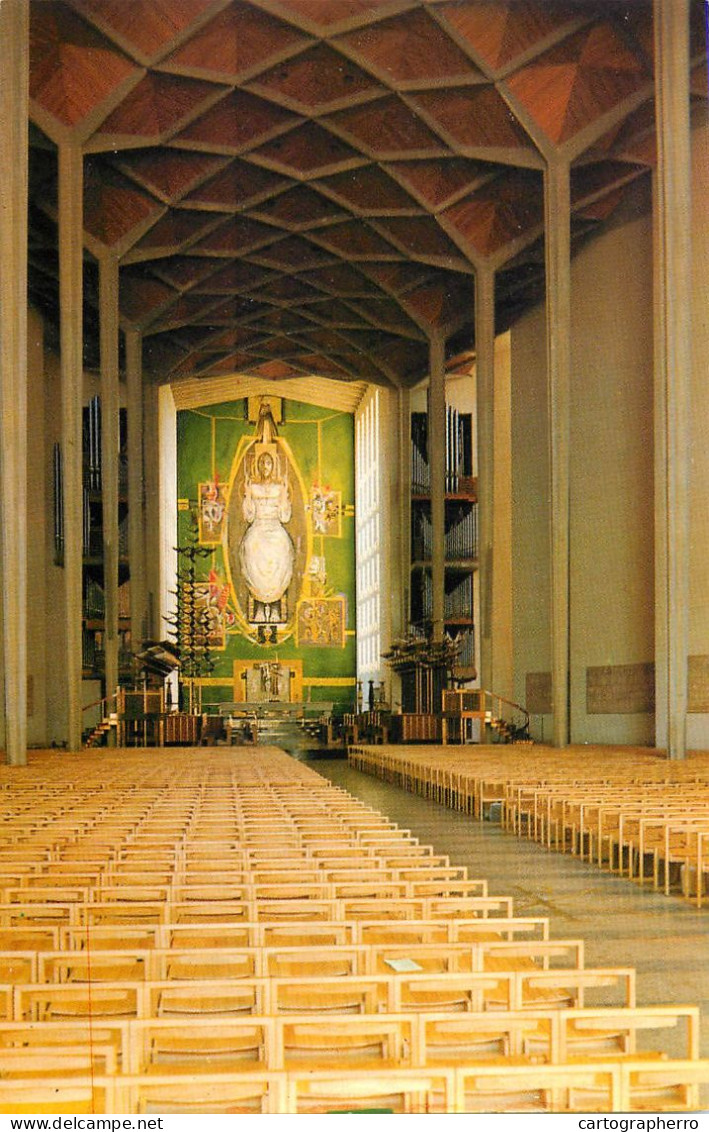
[[18, 966], [51, 1096], [309, 962], [494, 928], [94, 965], [29, 938], [596, 1031], [305, 934], [107, 938], [46, 894], [129, 913], [328, 995], [401, 932], [367, 1042], [210, 911], [76, 1061], [523, 1088], [431, 958], [37, 915], [496, 955], [662, 1086], [210, 1094], [207, 1045], [208, 935], [376, 1092], [102, 1036], [205, 998], [296, 910], [65, 1001], [466, 1038], [570, 987], [466, 992], [212, 963]]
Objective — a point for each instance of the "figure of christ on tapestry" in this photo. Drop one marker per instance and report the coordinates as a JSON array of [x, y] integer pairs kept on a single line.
[[267, 539], [266, 551]]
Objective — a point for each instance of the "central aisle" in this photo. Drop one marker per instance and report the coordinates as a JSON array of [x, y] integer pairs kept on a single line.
[[664, 938]]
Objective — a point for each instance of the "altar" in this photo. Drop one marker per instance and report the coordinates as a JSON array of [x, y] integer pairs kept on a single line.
[[268, 682]]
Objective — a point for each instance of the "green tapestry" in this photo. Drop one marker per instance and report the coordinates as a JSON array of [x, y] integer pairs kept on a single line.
[[266, 487]]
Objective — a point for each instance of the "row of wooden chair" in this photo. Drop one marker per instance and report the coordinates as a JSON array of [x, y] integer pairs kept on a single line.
[[25, 934], [512, 989], [194, 962], [472, 778], [155, 911], [191, 932], [636, 815], [628, 1086], [401, 1040]]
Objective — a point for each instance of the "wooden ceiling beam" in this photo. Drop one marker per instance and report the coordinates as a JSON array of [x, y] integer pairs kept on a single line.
[[586, 137], [334, 165], [313, 17], [445, 14], [124, 24], [160, 96], [236, 46]]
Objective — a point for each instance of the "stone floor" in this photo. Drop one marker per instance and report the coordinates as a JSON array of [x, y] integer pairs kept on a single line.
[[664, 938]]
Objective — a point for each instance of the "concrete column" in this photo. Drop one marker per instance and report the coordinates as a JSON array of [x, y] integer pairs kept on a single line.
[[557, 207], [71, 188], [388, 471], [157, 629], [502, 620], [485, 378], [437, 463], [401, 509], [14, 85], [136, 523], [167, 518], [673, 258], [110, 441]]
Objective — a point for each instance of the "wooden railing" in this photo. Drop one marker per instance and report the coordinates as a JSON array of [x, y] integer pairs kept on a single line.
[[496, 716]]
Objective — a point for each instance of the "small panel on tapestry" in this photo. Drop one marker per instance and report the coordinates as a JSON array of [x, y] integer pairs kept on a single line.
[[212, 512], [326, 511], [211, 612], [321, 622]]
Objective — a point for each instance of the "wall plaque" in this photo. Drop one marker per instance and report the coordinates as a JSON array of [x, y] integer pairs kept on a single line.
[[538, 693], [698, 684], [620, 689]]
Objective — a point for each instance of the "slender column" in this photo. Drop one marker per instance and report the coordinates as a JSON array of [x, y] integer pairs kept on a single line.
[[673, 259], [166, 448], [14, 81], [70, 307], [558, 313], [136, 525], [110, 422], [437, 463], [402, 509], [485, 377], [660, 482], [157, 629]]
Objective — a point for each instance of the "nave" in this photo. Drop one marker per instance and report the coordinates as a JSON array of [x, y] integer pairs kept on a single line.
[[228, 931]]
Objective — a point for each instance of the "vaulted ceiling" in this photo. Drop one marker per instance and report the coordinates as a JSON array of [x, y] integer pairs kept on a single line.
[[298, 187]]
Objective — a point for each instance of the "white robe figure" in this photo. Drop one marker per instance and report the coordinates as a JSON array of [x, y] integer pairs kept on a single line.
[[266, 553]]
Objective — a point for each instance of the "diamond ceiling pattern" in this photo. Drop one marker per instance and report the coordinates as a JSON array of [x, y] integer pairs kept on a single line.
[[300, 187]]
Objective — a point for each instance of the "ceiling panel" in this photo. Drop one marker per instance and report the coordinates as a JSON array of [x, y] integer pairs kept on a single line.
[[307, 187]]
